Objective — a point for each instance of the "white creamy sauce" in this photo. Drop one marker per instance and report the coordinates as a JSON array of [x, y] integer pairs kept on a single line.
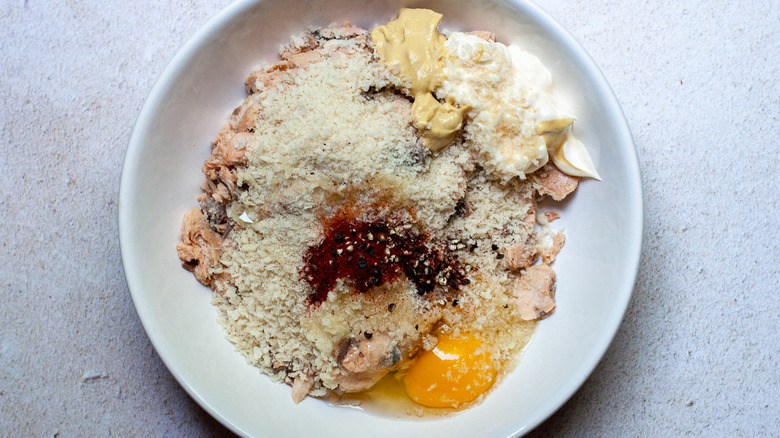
[[510, 91]]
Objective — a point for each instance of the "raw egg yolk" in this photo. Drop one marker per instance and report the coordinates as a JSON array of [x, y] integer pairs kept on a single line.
[[456, 371]]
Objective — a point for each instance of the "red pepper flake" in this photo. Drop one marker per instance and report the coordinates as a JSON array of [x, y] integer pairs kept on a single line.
[[370, 254]]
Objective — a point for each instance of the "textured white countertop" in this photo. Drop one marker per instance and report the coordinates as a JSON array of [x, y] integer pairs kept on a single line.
[[698, 352]]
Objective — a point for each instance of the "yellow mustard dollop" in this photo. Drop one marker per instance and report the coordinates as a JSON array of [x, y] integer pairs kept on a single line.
[[413, 44]]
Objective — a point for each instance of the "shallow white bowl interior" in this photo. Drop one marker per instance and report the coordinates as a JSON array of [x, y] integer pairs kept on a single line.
[[161, 177]]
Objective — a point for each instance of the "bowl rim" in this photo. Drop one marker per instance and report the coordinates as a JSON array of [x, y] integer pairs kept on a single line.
[[536, 14], [132, 156]]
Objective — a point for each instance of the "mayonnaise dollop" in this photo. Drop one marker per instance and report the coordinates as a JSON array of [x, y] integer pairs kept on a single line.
[[517, 122]]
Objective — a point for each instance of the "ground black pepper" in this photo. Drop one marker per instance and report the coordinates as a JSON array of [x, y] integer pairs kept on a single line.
[[373, 253]]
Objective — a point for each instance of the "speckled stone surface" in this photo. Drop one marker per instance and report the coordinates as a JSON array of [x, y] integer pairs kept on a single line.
[[699, 350]]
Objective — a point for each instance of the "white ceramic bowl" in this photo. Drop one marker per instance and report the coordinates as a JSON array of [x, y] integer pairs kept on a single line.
[[161, 177]]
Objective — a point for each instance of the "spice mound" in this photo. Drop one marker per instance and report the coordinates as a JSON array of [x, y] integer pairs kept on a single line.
[[370, 254], [367, 217]]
